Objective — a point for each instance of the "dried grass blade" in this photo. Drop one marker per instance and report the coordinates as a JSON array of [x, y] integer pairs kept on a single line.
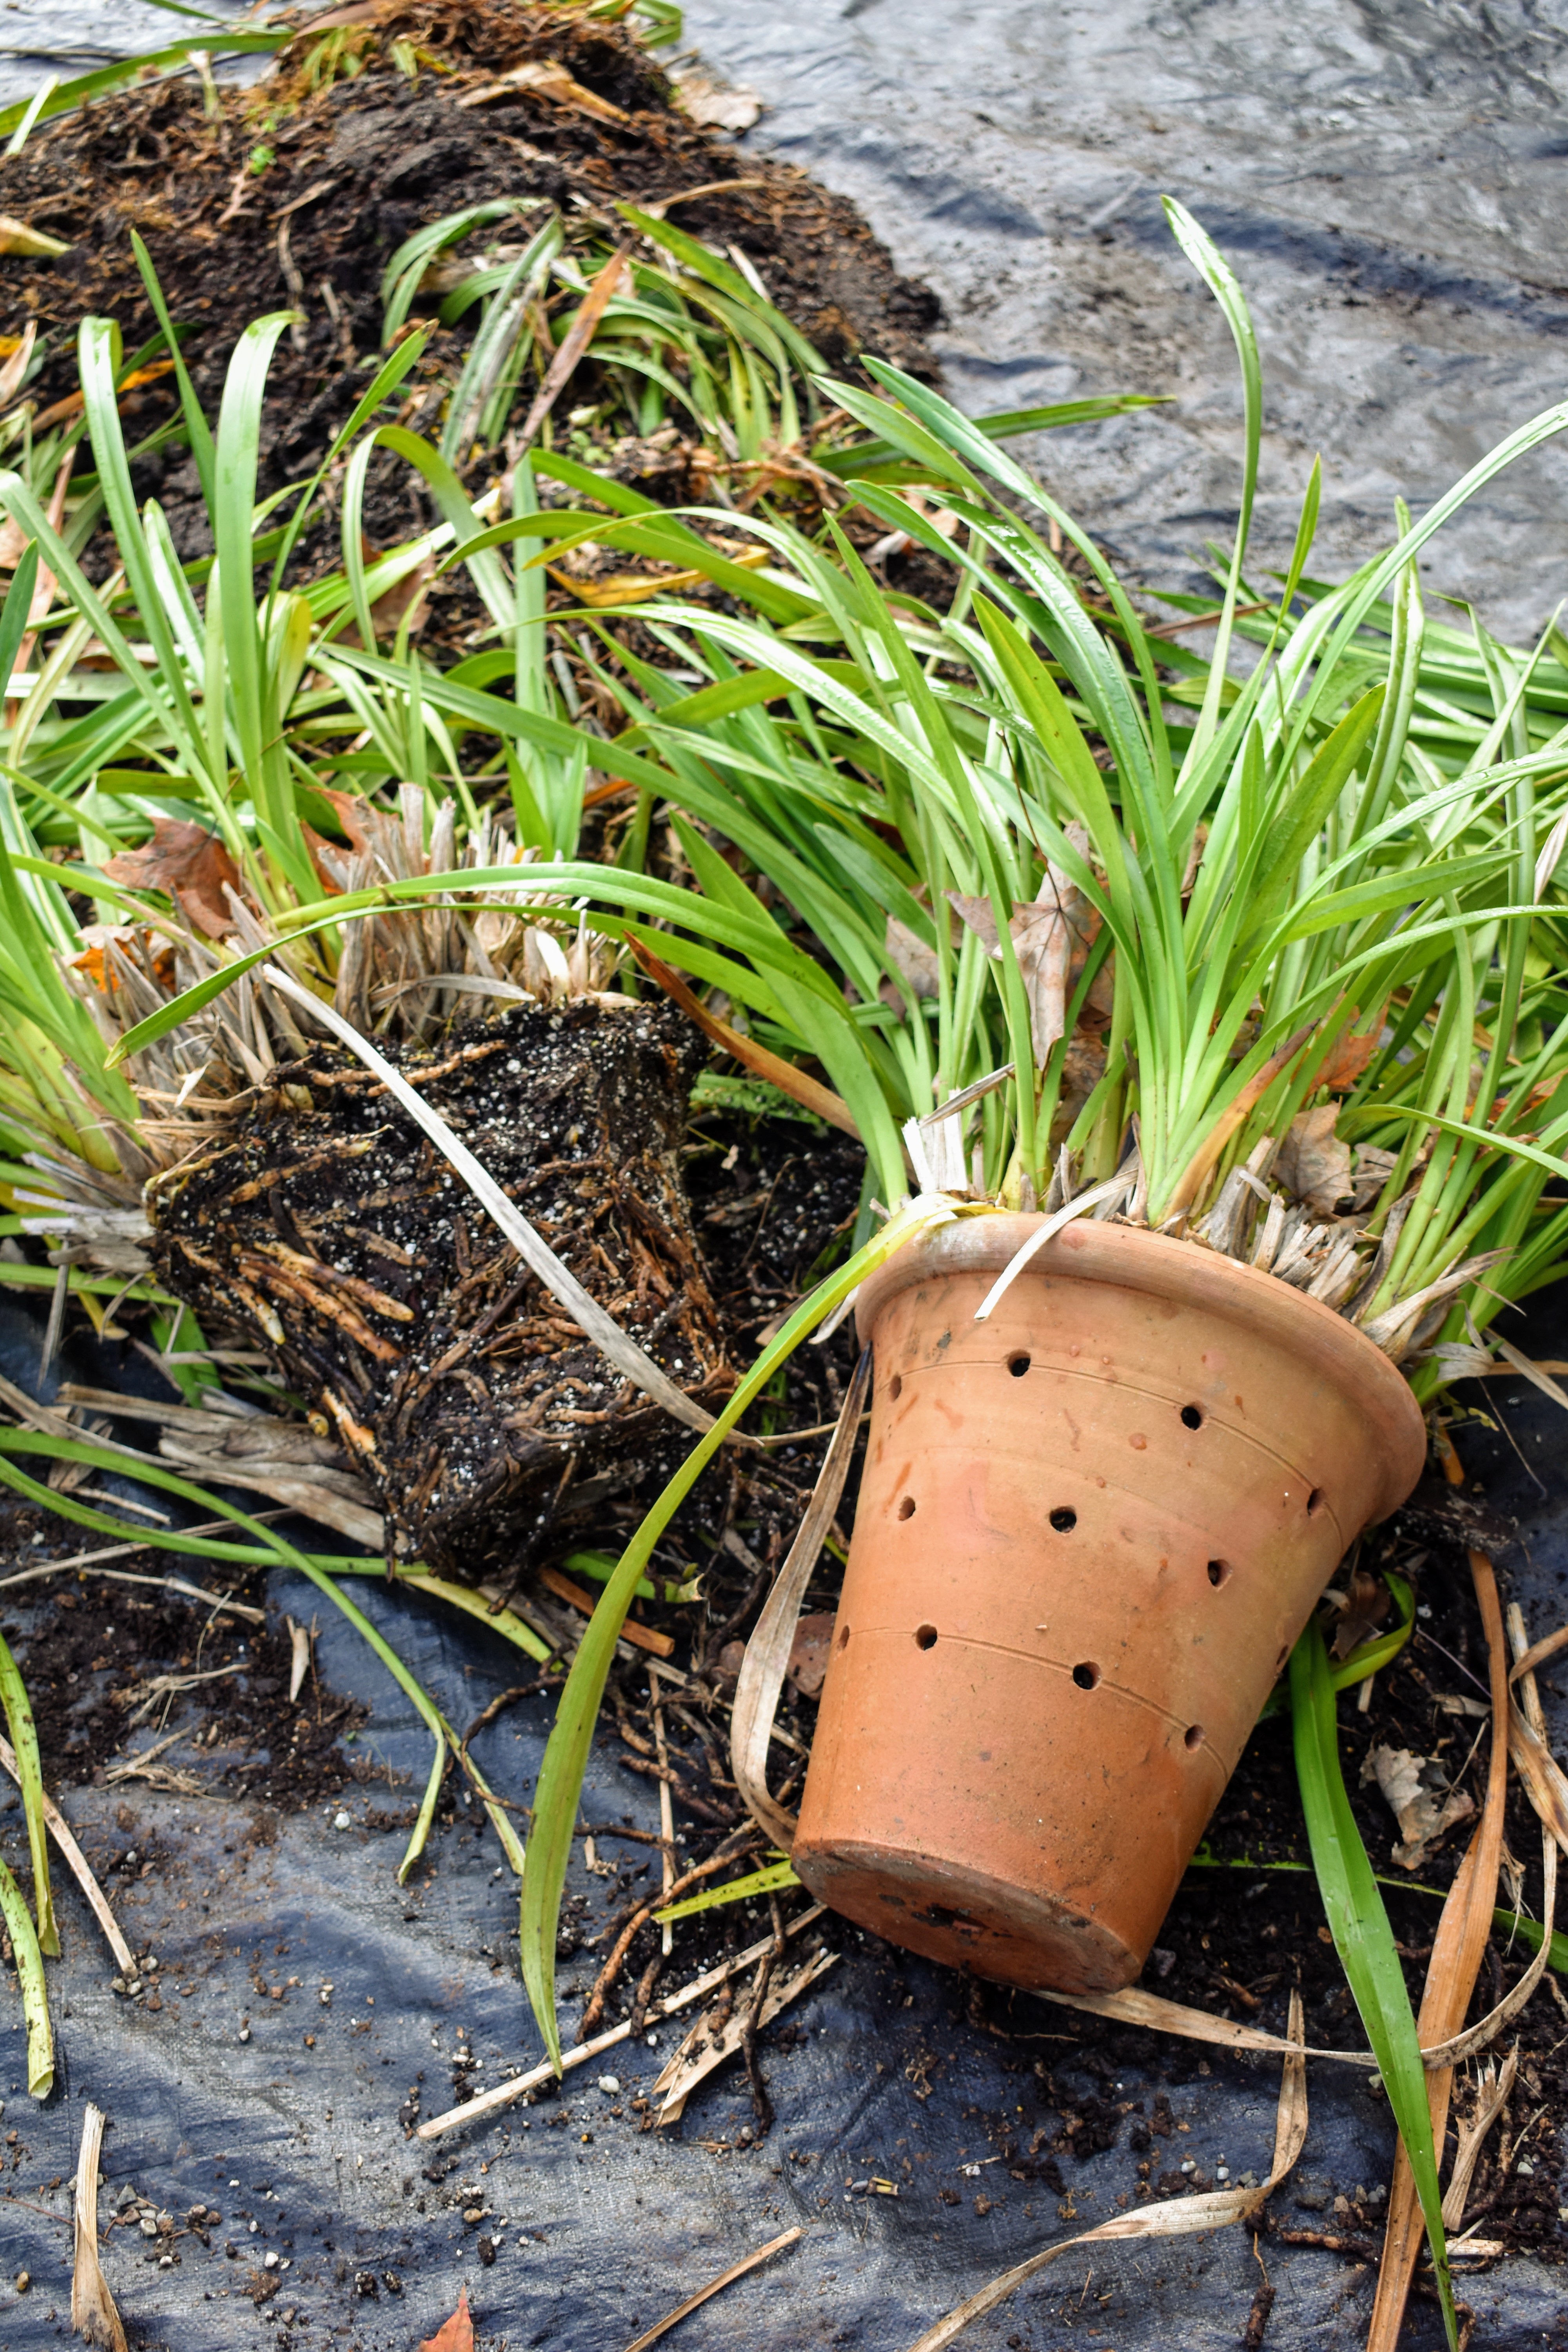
[[501, 2095], [1546, 1785], [93, 2314], [1153, 2015], [1544, 1782], [808, 1092], [736, 2270], [628, 1359], [1148, 2011], [1180, 2217], [698, 2057], [1494, 2098], [766, 1658], [574, 342], [1451, 1974], [77, 1862], [1538, 1651], [1533, 1372], [1053, 1225]]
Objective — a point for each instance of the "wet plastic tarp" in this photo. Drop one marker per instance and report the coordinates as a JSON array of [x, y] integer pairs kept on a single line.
[[1389, 181]]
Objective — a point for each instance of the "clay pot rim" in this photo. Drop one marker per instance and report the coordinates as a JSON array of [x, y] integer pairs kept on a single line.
[[1134, 1258]]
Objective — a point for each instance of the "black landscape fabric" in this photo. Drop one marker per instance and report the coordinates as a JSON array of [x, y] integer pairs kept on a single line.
[[305, 2014]]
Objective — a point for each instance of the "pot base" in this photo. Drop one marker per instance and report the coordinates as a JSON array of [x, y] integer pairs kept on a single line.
[[983, 1926]]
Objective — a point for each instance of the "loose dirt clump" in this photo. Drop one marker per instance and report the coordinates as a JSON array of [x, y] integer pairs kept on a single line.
[[329, 1229], [113, 1665]]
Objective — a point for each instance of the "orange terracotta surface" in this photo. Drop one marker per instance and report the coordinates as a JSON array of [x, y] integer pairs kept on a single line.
[[1089, 1532]]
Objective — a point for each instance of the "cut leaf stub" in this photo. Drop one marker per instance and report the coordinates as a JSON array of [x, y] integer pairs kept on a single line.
[[331, 1228]]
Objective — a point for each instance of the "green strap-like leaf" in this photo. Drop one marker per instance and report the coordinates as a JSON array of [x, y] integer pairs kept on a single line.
[[566, 1757], [1363, 1937]]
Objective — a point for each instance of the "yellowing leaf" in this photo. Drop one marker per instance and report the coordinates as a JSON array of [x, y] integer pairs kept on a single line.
[[26, 243]]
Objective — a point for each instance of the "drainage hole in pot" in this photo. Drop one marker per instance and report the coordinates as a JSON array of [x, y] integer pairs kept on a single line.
[[906, 1506], [925, 1637], [1064, 1520], [936, 1915], [1195, 1736], [1191, 1416], [1017, 1366], [1219, 1572], [896, 1386], [1086, 1676], [844, 1637], [1314, 1502]]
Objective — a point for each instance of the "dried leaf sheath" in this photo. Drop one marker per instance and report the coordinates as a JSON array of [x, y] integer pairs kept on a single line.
[[331, 1227]]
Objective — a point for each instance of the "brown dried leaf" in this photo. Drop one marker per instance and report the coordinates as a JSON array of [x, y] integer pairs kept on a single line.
[[1371, 1168], [809, 1652], [979, 915], [387, 610], [1313, 1165], [191, 864], [1368, 1604], [909, 955], [1348, 1059], [1414, 1787], [457, 2334], [716, 106]]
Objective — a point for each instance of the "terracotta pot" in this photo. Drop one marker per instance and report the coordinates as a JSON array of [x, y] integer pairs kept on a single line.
[[1089, 1532]]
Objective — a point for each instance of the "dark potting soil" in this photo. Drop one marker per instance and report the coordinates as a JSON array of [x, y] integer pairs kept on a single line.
[[291, 194], [110, 1665], [772, 1202]]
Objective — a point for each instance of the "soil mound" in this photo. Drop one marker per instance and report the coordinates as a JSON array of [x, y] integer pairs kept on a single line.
[[377, 120]]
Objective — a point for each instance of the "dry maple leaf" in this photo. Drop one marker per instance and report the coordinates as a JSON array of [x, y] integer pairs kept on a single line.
[[189, 863], [809, 1652], [457, 2335], [1348, 1059]]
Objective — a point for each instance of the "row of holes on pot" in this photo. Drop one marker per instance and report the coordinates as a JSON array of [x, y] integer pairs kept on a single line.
[[1064, 1520], [1087, 1678]]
